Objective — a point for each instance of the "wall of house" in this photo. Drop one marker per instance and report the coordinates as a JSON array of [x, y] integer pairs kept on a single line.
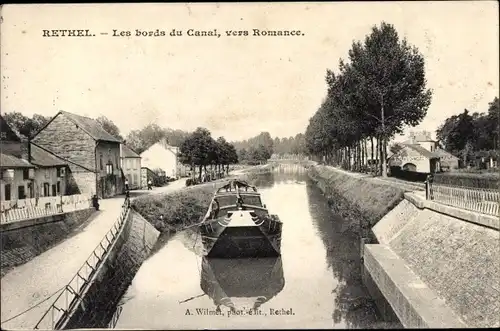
[[157, 157], [17, 181], [80, 181], [63, 138], [408, 155], [109, 153], [132, 170], [49, 175], [147, 174]]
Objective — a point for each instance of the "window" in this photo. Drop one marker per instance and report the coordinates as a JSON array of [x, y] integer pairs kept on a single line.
[[54, 190], [109, 168], [58, 187], [100, 162], [26, 174], [135, 179], [7, 192], [21, 194], [46, 188], [117, 162], [58, 172]]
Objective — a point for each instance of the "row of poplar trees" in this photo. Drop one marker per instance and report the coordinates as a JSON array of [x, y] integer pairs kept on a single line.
[[372, 97]]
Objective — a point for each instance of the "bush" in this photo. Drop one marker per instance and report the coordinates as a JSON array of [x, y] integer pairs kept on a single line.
[[468, 179]]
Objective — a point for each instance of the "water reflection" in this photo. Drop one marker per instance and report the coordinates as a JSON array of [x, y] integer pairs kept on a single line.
[[176, 286], [228, 281], [352, 301]]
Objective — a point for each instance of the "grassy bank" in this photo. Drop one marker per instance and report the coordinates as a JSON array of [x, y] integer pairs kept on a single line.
[[177, 210], [363, 203]]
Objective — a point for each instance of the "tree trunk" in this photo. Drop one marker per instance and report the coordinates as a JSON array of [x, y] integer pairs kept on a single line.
[[199, 175], [372, 156], [383, 156]]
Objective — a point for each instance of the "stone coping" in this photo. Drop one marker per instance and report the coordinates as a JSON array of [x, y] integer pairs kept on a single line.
[[415, 304], [462, 214]]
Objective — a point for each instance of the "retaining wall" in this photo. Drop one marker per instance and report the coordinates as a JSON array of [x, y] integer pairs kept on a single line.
[[131, 248], [435, 269], [22, 241], [426, 264]]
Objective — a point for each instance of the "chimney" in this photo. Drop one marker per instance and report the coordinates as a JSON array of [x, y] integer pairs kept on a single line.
[[26, 150]]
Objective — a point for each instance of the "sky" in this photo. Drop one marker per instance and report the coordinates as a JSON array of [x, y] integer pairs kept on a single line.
[[234, 86]]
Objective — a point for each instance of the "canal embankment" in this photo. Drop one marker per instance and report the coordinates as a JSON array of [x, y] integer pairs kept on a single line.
[[24, 240], [130, 249], [428, 264]]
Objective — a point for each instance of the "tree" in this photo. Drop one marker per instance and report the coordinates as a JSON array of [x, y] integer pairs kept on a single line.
[[110, 127], [466, 135], [197, 148], [384, 86], [24, 125]]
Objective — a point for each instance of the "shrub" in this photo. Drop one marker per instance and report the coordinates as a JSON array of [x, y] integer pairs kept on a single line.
[[488, 180]]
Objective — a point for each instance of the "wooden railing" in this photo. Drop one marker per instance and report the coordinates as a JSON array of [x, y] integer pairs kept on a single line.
[[14, 211], [485, 201], [71, 295]]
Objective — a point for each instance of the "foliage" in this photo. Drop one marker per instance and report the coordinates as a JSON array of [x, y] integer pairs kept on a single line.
[[24, 125], [255, 150], [109, 126], [472, 180], [200, 149], [379, 92], [472, 135], [140, 140]]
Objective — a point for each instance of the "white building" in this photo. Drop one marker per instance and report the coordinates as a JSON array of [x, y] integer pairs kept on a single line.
[[161, 156]]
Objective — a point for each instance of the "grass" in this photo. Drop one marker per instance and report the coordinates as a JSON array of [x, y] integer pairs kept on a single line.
[[179, 209], [361, 201], [182, 208]]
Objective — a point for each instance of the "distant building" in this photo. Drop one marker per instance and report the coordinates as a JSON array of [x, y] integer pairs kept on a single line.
[[131, 166], [415, 158], [161, 156], [92, 154]]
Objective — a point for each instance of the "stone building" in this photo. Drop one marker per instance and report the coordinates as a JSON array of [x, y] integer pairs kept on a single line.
[[92, 154], [131, 166]]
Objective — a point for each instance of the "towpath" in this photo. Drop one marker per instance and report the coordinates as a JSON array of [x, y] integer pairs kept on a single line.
[[33, 283]]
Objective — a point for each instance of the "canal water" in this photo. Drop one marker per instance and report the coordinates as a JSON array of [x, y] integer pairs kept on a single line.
[[316, 283]]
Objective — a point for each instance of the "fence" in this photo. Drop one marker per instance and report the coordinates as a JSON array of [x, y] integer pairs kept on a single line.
[[485, 201], [71, 295], [14, 211]]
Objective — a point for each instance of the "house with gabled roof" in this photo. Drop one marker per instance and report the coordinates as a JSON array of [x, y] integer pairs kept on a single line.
[[27, 171], [413, 157], [92, 154], [162, 156]]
